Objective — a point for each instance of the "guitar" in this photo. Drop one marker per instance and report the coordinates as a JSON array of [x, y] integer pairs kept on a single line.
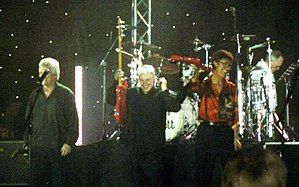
[[121, 88], [190, 60]]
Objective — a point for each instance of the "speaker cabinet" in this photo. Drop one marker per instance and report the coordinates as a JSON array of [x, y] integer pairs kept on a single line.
[[289, 152], [13, 170]]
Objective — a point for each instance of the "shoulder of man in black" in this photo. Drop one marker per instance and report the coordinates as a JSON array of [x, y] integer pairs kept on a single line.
[[64, 88]]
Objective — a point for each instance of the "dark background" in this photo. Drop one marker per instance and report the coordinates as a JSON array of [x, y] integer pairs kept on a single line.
[[31, 30]]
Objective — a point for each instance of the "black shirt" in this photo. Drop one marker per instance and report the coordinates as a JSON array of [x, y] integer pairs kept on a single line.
[[146, 117], [54, 119]]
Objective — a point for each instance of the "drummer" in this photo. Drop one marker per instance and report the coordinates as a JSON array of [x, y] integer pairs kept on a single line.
[[265, 75], [261, 93]]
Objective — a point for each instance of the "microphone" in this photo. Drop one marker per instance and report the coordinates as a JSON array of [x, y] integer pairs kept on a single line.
[[41, 78]]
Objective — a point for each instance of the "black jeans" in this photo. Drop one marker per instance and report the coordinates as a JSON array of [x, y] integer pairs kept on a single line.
[[46, 167], [148, 168], [212, 142]]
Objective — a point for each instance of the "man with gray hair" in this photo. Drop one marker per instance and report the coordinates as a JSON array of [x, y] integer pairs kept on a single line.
[[52, 125]]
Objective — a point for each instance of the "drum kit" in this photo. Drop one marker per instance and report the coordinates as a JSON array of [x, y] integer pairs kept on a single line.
[[257, 101]]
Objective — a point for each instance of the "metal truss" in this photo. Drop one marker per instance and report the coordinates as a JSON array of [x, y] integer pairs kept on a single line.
[[141, 22]]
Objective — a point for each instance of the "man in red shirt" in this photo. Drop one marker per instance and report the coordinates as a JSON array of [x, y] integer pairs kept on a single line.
[[217, 134]]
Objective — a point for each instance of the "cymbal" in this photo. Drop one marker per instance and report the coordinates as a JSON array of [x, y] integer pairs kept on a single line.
[[145, 46], [169, 68], [196, 41], [163, 64], [244, 37], [150, 47], [155, 58]]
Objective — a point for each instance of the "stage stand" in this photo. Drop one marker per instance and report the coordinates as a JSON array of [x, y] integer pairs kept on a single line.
[[107, 163]]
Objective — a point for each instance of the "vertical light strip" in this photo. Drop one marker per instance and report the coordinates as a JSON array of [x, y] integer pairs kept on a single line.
[[78, 97]]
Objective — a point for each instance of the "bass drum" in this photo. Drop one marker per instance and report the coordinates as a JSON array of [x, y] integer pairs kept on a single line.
[[182, 122]]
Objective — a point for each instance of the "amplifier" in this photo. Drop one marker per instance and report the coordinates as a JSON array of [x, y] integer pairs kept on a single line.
[[13, 170]]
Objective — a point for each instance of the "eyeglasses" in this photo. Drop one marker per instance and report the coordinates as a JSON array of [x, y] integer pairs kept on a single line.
[[226, 63]]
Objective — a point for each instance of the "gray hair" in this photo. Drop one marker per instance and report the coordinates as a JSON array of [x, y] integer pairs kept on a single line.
[[146, 69], [51, 64], [274, 55]]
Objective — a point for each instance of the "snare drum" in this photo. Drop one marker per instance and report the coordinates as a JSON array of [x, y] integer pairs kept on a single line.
[[183, 121]]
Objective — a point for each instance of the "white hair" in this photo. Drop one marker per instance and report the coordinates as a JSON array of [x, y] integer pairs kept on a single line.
[[51, 64], [146, 69]]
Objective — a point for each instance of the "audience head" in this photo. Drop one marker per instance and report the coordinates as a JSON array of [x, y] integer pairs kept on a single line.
[[255, 166]]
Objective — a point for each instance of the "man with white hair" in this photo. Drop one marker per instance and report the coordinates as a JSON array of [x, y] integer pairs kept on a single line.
[[144, 124], [52, 125]]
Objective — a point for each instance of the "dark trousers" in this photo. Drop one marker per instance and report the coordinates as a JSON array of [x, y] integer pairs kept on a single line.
[[212, 142], [46, 167], [148, 169]]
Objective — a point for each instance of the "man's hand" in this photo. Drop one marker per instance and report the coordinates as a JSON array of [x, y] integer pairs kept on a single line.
[[118, 74], [163, 83], [65, 149], [237, 144], [196, 75]]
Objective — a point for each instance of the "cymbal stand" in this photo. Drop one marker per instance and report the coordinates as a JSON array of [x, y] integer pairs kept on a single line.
[[240, 91], [207, 47], [239, 79], [269, 119]]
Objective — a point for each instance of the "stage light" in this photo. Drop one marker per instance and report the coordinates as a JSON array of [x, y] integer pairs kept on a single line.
[[78, 97]]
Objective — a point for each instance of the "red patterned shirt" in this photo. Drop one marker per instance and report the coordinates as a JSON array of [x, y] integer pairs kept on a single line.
[[217, 105]]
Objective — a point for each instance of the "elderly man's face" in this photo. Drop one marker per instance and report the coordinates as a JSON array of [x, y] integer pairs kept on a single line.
[[49, 79], [275, 65], [146, 81]]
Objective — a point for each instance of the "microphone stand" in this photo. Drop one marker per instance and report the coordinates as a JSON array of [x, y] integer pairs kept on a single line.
[[103, 65], [28, 125], [239, 73]]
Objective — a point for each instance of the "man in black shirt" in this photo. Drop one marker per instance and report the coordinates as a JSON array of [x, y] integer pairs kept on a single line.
[[53, 129], [144, 124]]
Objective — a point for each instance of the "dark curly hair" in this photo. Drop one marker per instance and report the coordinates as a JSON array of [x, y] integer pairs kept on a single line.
[[222, 55]]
